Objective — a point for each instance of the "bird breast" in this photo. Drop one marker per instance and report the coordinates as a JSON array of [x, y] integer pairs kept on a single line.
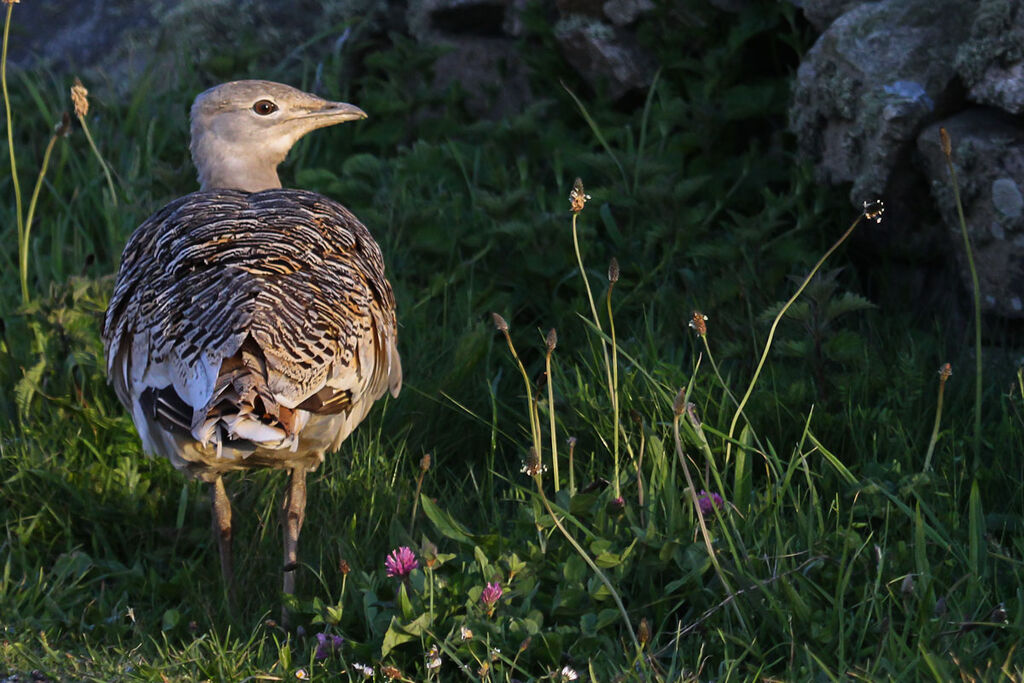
[[248, 326]]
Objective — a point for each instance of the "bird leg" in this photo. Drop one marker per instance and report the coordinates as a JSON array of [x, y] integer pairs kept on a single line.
[[294, 512], [221, 506]]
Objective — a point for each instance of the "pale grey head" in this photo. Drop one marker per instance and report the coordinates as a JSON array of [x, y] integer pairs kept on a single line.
[[242, 130]]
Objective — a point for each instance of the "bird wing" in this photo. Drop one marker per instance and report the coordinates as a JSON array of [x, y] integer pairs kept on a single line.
[[225, 297]]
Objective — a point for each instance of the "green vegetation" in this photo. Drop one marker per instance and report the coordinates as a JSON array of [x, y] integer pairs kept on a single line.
[[833, 551]]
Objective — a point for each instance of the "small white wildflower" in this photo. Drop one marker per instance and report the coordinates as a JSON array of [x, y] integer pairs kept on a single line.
[[873, 210], [433, 657], [533, 469], [577, 198], [366, 671], [465, 633], [699, 322], [567, 674], [302, 675]]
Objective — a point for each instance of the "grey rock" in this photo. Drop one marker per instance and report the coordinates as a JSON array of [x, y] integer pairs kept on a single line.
[[991, 61], [988, 154], [734, 6], [821, 13], [602, 53], [481, 53], [513, 25], [1006, 197], [78, 35], [588, 8], [111, 43], [877, 75], [450, 18], [625, 12], [491, 73], [1002, 87]]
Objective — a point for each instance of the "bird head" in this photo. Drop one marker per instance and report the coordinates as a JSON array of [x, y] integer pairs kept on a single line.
[[242, 130]]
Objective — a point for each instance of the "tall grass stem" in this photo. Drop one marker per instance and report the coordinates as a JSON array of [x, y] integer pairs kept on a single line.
[[424, 466], [644, 119], [614, 390], [590, 298], [534, 427], [947, 150], [99, 157], [551, 409], [725, 387], [775, 324], [26, 232], [572, 474], [700, 514], [597, 133], [640, 474], [944, 374], [19, 215], [586, 558]]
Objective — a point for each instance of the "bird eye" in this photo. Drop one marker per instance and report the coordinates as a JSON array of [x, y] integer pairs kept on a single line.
[[264, 107]]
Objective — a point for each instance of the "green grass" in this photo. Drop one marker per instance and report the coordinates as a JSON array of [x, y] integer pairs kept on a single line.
[[835, 556]]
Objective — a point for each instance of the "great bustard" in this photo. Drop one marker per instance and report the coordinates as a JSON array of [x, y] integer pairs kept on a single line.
[[251, 326]]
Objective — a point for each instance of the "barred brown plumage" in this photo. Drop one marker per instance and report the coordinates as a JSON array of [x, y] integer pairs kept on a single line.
[[291, 270], [251, 326]]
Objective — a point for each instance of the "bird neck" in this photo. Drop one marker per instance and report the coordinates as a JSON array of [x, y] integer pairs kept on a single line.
[[241, 167]]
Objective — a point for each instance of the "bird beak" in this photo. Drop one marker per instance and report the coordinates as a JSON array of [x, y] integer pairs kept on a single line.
[[337, 112]]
